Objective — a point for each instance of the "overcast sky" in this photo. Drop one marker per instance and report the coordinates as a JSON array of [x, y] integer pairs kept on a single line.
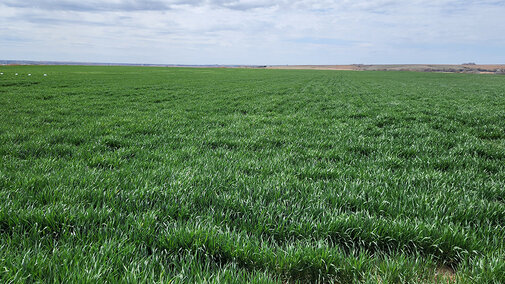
[[254, 31]]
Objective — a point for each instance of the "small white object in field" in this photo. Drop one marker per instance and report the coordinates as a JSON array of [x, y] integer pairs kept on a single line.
[[16, 74], [1, 73], [45, 75], [29, 74]]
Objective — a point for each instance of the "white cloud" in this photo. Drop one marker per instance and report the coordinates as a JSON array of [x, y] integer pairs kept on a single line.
[[253, 31]]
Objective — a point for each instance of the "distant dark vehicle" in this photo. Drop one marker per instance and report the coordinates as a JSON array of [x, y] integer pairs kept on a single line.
[[469, 63]]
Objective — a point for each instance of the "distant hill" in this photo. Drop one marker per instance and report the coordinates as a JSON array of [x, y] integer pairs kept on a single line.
[[456, 68], [449, 68], [29, 62]]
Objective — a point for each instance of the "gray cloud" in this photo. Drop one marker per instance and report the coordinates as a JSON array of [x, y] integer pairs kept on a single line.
[[132, 5], [375, 6], [161, 5], [86, 6], [245, 5]]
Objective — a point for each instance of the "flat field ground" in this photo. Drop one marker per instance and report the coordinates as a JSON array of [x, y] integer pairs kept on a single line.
[[239, 175]]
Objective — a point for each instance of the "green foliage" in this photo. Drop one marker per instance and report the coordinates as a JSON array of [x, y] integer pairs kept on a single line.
[[234, 175]]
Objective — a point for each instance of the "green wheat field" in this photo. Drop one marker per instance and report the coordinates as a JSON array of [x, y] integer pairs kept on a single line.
[[143, 174]]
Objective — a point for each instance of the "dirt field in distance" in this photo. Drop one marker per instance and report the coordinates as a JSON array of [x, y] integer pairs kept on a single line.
[[315, 67], [466, 68]]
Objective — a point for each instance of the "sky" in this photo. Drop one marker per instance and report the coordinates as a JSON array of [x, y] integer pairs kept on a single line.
[[255, 32]]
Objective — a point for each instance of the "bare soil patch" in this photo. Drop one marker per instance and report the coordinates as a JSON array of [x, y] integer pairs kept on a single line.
[[445, 274]]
